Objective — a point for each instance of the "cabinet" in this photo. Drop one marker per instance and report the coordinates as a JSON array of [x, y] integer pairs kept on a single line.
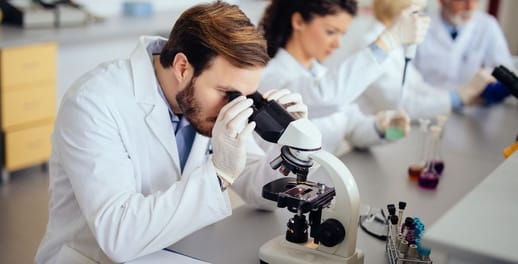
[[28, 104]]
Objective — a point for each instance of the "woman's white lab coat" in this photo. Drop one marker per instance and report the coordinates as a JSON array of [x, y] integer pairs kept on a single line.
[[116, 190], [448, 64], [418, 99], [329, 93]]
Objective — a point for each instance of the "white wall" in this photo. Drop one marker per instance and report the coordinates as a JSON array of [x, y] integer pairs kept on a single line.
[[432, 4], [508, 19], [109, 8], [76, 60]]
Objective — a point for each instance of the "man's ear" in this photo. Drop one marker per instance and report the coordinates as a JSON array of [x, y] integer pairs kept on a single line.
[[180, 66]]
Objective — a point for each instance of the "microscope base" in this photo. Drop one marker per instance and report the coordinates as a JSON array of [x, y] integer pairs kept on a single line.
[[280, 251]]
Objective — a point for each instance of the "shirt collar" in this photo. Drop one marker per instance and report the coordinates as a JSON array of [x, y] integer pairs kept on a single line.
[[449, 27], [174, 117], [154, 48], [316, 69]]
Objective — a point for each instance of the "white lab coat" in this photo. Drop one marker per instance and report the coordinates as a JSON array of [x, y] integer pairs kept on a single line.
[[418, 99], [329, 95], [116, 190], [449, 64]]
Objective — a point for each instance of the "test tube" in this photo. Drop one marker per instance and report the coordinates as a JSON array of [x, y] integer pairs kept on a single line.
[[412, 251], [402, 206], [391, 209], [403, 247], [410, 232], [424, 253], [393, 221], [399, 239], [407, 226]]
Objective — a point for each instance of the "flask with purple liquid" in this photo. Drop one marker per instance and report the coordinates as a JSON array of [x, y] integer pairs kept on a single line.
[[429, 178], [416, 168], [436, 157]]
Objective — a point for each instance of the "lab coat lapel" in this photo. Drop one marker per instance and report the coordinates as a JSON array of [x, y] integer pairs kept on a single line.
[[198, 154], [147, 96], [443, 38], [438, 30], [464, 37], [287, 61], [159, 123]]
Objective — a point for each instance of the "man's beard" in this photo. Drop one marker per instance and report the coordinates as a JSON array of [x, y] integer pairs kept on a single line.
[[192, 111], [461, 19]]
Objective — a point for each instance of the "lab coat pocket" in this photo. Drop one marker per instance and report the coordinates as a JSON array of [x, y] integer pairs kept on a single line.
[[69, 255]]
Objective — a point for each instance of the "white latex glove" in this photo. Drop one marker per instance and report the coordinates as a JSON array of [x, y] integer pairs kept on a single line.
[[470, 92], [229, 136], [409, 28], [292, 102], [393, 119]]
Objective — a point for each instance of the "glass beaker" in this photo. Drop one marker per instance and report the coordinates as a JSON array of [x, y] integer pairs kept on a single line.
[[395, 130], [416, 168]]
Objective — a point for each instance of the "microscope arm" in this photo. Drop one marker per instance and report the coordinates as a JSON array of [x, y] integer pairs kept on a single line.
[[346, 208]]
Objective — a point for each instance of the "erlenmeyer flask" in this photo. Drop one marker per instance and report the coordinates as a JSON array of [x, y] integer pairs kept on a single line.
[[416, 168], [429, 178]]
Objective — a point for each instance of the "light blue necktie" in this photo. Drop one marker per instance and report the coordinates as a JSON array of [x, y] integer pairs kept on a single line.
[[454, 33], [184, 134]]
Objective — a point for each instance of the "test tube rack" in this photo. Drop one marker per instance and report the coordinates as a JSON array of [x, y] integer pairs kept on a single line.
[[394, 255]]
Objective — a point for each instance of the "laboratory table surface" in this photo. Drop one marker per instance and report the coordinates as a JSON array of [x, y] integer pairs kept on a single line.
[[471, 146], [493, 214]]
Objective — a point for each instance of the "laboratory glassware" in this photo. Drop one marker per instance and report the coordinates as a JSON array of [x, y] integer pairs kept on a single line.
[[416, 168], [429, 178]]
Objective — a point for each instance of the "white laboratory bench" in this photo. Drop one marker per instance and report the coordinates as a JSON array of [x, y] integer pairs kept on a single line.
[[481, 228], [472, 147]]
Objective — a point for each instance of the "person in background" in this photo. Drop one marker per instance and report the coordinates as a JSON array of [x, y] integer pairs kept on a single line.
[[461, 42], [302, 33], [417, 97], [143, 148]]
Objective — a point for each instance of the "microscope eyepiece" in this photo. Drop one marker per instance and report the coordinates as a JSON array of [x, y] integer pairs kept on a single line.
[[258, 99], [271, 118], [231, 95]]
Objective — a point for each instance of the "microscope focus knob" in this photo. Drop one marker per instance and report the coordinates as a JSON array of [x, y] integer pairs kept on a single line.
[[331, 233]]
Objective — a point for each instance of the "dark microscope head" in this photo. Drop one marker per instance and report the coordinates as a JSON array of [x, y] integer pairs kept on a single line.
[[271, 118], [507, 78]]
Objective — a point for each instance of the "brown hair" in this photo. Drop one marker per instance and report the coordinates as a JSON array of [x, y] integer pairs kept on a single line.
[[387, 10], [276, 21], [204, 31]]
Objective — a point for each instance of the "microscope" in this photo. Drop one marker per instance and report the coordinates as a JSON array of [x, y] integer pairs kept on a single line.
[[328, 234], [508, 78]]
